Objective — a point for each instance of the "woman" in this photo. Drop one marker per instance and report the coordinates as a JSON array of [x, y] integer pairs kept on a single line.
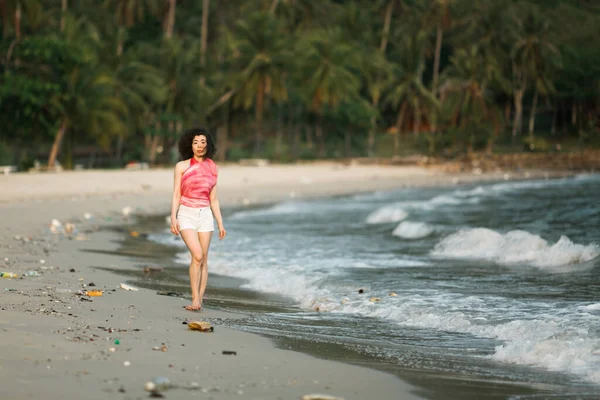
[[194, 204]]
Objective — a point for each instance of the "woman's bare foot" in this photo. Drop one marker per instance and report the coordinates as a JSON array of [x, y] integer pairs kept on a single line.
[[193, 307]]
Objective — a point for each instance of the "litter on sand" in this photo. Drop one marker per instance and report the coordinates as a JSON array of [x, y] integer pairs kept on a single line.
[[127, 287], [200, 326]]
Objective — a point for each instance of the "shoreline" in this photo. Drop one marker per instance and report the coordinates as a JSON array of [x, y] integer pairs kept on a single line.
[[38, 327]]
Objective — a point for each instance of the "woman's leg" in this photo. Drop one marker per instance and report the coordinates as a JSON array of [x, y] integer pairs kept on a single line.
[[191, 239], [204, 238]]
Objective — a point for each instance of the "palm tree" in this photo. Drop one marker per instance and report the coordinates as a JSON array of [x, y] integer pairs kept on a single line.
[[377, 71], [127, 13], [260, 53], [12, 14], [440, 13], [89, 105], [407, 93], [466, 91], [531, 54], [328, 67]]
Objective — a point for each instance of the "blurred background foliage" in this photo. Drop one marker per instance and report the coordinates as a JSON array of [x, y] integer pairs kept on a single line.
[[100, 83]]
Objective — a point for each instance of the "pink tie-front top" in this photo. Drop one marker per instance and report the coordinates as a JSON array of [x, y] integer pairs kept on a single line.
[[197, 182]]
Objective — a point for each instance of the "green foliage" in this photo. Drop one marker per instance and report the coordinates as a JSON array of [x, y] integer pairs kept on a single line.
[[108, 72]]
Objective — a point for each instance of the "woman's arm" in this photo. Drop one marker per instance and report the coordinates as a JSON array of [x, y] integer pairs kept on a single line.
[[176, 198], [216, 209]]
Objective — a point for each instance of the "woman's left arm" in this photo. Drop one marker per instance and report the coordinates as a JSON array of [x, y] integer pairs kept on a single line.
[[216, 210]]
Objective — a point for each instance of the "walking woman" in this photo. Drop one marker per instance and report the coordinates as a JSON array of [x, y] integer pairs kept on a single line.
[[194, 204]]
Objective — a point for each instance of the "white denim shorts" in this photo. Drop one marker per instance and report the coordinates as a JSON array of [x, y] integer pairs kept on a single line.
[[198, 219]]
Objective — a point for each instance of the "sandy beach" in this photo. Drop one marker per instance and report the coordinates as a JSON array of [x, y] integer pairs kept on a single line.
[[57, 344]]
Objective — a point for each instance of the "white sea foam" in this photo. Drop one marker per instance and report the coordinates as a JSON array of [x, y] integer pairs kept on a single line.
[[558, 342], [290, 207], [386, 215], [591, 307], [413, 230], [514, 247]]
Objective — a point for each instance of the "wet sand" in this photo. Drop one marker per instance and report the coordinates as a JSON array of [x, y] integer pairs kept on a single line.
[[59, 344]]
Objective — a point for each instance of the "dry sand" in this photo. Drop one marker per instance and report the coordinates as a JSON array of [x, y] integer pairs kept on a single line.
[[54, 345]]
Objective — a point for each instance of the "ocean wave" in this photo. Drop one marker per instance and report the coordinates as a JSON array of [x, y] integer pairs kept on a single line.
[[514, 247], [386, 215], [559, 341], [413, 230]]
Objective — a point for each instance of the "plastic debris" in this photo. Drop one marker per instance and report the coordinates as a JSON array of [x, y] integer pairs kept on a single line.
[[127, 287], [162, 348], [127, 211], [70, 228], [320, 397], [56, 226], [200, 326], [8, 275], [229, 353], [158, 384], [31, 273], [93, 293], [134, 234], [88, 216], [117, 341], [126, 363]]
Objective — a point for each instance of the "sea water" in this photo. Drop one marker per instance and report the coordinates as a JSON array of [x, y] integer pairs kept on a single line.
[[497, 280]]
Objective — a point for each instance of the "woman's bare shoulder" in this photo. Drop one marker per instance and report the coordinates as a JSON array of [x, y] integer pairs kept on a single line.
[[182, 165]]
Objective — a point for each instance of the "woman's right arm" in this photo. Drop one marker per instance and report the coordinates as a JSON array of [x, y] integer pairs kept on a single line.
[[176, 198]]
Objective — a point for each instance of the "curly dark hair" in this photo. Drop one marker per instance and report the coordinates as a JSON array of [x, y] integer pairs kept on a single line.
[[185, 143]]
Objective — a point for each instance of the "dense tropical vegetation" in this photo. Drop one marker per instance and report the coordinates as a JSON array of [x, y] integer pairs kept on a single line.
[[104, 82]]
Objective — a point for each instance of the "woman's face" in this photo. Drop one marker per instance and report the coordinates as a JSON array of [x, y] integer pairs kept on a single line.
[[199, 146]]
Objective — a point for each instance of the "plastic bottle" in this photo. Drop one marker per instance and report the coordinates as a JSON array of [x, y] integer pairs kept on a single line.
[[8, 275]]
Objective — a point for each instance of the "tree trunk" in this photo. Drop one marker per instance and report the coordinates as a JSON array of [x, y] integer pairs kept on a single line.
[[170, 19], [574, 114], [296, 131], [507, 112], [18, 21], [5, 23], [63, 15], [260, 100], [417, 121], [348, 143], [436, 60], [279, 132], [372, 131], [119, 150], [223, 135], [518, 99], [319, 136], [204, 39], [532, 114], [57, 142], [120, 35], [386, 26], [309, 137], [273, 6], [222, 100], [399, 122], [554, 120]]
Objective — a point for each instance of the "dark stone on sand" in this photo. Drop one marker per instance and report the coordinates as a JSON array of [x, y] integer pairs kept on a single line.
[[229, 352]]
